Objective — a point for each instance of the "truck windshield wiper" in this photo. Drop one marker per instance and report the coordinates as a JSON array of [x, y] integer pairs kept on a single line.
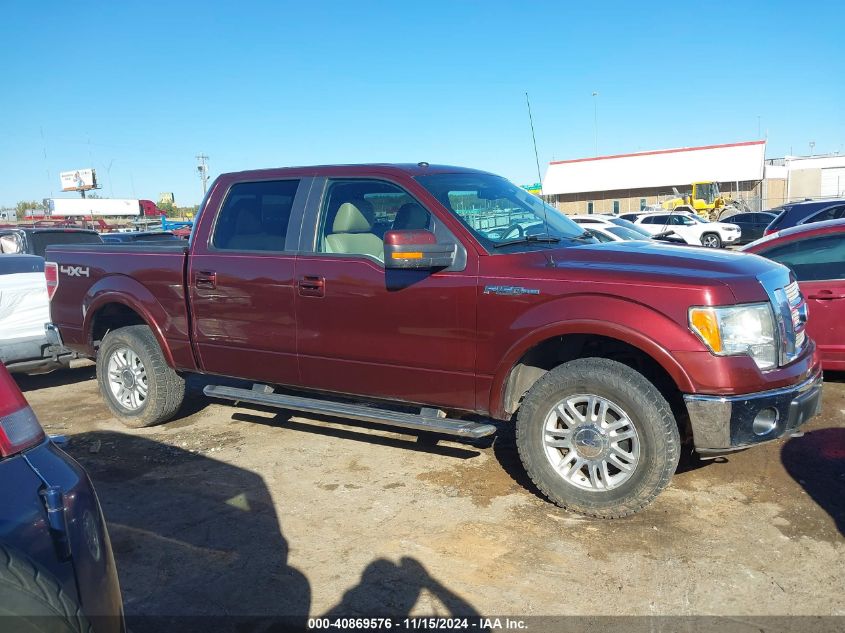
[[528, 239]]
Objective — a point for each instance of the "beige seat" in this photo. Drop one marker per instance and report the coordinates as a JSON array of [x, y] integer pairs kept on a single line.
[[352, 231]]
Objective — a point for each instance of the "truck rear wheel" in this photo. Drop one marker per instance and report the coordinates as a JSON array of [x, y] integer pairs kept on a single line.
[[138, 385], [597, 438]]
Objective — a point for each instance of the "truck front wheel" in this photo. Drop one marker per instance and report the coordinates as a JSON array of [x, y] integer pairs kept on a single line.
[[597, 438], [138, 385]]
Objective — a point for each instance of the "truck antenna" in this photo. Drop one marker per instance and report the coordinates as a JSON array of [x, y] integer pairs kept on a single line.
[[534, 139], [537, 158]]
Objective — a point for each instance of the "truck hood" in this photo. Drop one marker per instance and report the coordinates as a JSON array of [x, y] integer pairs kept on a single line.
[[651, 262]]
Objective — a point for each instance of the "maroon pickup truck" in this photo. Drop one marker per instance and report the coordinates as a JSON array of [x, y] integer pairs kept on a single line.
[[419, 295]]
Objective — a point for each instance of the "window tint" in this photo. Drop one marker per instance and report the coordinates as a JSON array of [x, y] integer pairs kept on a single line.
[[601, 237], [812, 259], [357, 213], [831, 213], [255, 216], [625, 233]]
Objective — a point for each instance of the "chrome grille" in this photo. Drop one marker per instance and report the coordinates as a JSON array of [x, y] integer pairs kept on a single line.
[[790, 312], [793, 295]]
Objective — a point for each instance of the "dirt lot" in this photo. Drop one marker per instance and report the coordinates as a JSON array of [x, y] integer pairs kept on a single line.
[[242, 511]]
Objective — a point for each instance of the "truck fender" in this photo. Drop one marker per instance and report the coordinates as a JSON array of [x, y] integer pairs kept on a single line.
[[642, 327], [132, 294]]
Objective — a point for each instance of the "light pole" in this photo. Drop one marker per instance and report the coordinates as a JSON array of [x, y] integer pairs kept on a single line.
[[596, 122], [202, 170]]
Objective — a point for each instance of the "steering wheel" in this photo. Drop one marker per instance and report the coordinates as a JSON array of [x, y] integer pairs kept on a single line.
[[520, 231]]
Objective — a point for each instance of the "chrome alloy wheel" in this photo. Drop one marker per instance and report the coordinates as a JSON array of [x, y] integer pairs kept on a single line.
[[591, 442], [127, 378], [710, 241]]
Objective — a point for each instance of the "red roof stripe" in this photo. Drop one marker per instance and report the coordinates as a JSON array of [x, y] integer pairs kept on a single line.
[[657, 151]]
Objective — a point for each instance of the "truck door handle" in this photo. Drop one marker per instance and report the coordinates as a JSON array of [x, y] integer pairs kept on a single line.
[[312, 286], [826, 295], [205, 279]]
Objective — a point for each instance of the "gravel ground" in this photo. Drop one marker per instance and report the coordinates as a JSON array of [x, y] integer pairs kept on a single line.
[[233, 510]]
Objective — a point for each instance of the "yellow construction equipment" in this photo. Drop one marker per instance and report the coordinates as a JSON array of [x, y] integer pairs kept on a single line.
[[704, 198]]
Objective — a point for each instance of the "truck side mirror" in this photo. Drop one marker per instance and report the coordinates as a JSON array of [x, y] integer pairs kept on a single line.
[[416, 249]]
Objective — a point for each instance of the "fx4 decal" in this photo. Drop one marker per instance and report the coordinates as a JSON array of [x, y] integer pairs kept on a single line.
[[74, 271], [510, 290]]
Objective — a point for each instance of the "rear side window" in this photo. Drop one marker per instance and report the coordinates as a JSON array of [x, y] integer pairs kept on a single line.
[[831, 213], [255, 216], [813, 259]]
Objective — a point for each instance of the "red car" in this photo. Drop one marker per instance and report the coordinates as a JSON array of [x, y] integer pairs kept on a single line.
[[816, 255]]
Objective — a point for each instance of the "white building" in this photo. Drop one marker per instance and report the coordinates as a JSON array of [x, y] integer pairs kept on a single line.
[[628, 182]]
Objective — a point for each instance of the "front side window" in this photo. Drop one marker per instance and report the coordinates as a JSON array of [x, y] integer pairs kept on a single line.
[[357, 213], [502, 216], [812, 259], [255, 216]]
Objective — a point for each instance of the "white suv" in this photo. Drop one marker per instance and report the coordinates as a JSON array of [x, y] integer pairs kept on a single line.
[[693, 229]]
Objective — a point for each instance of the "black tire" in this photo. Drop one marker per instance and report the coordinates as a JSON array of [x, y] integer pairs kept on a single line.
[[166, 388], [33, 601], [714, 240], [648, 411]]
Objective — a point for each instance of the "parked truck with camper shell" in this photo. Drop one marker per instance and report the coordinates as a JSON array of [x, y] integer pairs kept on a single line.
[[375, 292]]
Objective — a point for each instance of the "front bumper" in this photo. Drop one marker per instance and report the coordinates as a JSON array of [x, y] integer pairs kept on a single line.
[[726, 423]]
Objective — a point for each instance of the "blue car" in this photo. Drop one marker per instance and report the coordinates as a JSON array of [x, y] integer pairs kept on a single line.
[[57, 571], [806, 212]]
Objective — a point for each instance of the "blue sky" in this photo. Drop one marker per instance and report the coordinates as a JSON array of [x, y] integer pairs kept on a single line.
[[137, 89]]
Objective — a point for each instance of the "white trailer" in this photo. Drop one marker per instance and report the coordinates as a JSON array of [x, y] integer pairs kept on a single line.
[[102, 207]]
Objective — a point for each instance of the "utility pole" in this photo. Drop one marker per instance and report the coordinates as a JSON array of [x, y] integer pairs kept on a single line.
[[596, 120], [202, 170]]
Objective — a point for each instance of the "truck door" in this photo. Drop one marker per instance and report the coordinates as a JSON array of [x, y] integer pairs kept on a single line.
[[241, 282], [397, 334]]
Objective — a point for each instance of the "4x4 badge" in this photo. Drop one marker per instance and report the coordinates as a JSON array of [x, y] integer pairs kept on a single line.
[[74, 271]]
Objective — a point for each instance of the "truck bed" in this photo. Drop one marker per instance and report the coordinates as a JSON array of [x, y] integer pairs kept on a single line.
[[152, 274]]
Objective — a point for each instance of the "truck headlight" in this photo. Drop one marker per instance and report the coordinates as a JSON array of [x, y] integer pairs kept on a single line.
[[734, 330]]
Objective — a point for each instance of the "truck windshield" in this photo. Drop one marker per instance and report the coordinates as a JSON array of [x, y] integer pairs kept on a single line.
[[501, 215]]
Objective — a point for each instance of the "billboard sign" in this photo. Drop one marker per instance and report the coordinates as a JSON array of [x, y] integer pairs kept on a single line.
[[78, 180]]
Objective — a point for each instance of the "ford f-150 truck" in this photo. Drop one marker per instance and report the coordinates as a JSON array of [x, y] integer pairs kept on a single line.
[[389, 293]]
